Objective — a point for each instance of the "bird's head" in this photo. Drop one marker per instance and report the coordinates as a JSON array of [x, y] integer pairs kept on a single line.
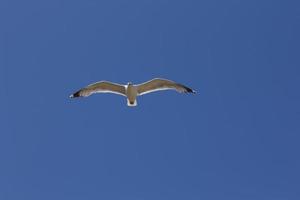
[[129, 83]]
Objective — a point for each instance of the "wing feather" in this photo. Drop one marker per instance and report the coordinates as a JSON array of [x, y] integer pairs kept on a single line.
[[158, 84], [100, 87]]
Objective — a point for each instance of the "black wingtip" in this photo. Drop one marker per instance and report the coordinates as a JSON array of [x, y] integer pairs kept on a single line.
[[189, 90], [76, 94]]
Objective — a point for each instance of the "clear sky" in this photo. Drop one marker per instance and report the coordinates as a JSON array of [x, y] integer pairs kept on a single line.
[[237, 139]]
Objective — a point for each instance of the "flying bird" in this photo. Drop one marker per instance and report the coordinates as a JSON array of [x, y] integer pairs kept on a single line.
[[131, 91]]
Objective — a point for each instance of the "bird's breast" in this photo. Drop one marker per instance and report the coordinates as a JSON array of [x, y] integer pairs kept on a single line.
[[131, 92]]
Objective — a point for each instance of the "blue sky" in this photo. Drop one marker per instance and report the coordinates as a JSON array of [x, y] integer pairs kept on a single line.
[[238, 138]]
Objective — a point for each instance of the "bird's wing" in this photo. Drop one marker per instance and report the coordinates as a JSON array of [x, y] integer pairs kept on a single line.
[[162, 84], [100, 87]]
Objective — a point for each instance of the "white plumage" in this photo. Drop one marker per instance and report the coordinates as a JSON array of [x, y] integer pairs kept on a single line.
[[132, 91]]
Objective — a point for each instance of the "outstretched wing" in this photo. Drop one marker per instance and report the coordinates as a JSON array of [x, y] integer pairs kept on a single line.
[[158, 84], [100, 87]]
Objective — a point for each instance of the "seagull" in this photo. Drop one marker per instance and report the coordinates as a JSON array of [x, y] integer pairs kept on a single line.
[[131, 91]]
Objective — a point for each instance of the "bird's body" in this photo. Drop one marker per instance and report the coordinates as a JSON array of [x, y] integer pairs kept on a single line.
[[131, 91]]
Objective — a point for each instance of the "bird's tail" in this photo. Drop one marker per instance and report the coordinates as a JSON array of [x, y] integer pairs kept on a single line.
[[131, 104]]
